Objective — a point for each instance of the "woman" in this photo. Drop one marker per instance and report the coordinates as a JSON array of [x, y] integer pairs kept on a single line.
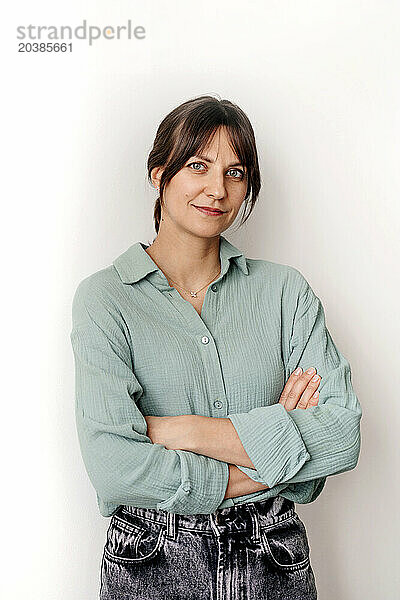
[[210, 396]]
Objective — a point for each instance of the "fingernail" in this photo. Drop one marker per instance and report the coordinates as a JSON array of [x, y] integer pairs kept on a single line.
[[315, 378], [298, 371], [311, 370]]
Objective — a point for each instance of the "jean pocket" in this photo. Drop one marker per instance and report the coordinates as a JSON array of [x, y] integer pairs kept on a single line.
[[132, 540], [286, 545]]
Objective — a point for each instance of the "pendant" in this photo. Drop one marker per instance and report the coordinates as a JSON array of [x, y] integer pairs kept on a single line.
[[193, 294]]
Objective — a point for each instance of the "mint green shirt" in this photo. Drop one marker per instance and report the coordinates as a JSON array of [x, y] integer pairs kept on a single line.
[[141, 349]]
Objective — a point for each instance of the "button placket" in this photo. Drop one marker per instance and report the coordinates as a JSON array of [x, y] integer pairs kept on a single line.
[[198, 325], [213, 368]]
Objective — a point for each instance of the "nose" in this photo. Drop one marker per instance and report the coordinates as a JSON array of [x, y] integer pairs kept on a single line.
[[215, 185]]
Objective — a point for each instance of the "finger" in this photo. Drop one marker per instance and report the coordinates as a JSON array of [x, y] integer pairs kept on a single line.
[[309, 391], [299, 387], [313, 401], [289, 384]]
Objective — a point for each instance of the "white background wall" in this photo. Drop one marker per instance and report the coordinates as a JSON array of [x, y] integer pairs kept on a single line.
[[320, 83]]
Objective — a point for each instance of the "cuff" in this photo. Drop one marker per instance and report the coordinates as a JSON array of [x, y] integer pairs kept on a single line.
[[203, 485], [252, 473], [272, 441]]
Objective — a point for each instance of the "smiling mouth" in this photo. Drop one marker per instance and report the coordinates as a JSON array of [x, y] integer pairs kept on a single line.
[[209, 211]]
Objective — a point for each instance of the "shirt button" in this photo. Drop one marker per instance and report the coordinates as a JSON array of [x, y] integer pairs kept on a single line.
[[205, 339], [186, 487], [218, 404], [214, 288]]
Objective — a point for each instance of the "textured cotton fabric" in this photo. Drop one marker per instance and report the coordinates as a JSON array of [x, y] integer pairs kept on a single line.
[[141, 349]]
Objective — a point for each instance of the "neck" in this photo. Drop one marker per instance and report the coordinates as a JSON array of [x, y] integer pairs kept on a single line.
[[189, 260]]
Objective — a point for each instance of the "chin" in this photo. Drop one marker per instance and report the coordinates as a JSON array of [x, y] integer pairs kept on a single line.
[[206, 232]]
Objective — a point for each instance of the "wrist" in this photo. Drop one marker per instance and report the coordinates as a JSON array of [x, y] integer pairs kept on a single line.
[[241, 484]]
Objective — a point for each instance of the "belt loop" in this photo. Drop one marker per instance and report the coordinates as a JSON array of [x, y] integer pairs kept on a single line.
[[171, 525], [256, 522]]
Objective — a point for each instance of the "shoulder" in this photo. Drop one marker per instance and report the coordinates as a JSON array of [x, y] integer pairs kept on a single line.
[[285, 277], [98, 296], [286, 283]]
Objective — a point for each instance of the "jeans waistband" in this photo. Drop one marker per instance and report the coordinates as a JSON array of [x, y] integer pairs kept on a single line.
[[247, 517]]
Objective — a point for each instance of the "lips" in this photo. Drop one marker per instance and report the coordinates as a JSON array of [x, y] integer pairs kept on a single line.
[[209, 210]]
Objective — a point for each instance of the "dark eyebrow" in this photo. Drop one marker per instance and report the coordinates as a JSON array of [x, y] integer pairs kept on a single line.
[[207, 159]]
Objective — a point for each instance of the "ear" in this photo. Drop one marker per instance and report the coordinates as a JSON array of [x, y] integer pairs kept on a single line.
[[156, 176]]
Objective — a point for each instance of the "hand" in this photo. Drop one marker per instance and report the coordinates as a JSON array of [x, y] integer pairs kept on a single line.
[[299, 389], [172, 432]]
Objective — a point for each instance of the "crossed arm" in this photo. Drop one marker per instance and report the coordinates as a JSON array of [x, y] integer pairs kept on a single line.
[[199, 434], [301, 449], [203, 435], [216, 437]]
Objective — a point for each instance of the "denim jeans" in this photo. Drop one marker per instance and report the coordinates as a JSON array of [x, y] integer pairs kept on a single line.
[[257, 550]]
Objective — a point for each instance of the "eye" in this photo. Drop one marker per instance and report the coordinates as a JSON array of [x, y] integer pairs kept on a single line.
[[240, 173], [196, 163]]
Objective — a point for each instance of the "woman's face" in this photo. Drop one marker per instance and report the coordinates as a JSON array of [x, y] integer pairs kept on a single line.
[[216, 179]]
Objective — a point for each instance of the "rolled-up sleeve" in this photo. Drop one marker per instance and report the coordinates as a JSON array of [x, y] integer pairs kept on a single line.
[[304, 445], [122, 463]]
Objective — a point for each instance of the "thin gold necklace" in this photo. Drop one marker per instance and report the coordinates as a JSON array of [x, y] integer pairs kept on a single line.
[[192, 293]]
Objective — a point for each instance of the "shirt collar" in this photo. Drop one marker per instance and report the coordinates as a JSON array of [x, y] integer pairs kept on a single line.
[[134, 264]]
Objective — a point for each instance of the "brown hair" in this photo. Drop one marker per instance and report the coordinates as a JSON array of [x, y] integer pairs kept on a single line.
[[185, 132]]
